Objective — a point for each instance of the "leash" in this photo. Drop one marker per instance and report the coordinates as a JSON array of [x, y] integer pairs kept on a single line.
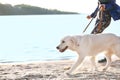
[[92, 19], [88, 25]]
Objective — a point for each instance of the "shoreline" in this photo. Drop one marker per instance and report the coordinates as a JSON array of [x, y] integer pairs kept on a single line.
[[54, 70], [35, 62]]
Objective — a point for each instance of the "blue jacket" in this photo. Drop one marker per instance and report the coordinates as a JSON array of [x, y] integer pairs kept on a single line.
[[113, 9]]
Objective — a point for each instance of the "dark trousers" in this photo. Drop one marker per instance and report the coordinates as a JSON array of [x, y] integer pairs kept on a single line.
[[102, 22]]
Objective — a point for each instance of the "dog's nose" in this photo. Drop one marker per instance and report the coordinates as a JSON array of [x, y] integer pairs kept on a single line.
[[57, 47]]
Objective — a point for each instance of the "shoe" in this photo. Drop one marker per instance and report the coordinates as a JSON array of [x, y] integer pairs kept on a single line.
[[102, 60]]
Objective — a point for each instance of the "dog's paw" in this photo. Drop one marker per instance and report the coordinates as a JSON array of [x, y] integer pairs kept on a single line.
[[69, 73]]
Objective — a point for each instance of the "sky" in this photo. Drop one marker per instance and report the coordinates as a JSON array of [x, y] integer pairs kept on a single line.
[[80, 6]]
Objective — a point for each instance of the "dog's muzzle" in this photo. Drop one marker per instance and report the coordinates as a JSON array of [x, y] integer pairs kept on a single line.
[[62, 50]]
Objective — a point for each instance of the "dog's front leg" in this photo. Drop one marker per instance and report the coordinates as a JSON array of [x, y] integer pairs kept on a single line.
[[75, 66]]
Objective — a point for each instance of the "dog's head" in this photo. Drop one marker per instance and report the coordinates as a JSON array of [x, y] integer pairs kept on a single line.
[[67, 42]]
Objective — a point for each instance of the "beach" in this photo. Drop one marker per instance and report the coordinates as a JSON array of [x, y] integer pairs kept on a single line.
[[55, 70]]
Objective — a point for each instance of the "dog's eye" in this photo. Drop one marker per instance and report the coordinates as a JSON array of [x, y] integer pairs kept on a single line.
[[63, 41]]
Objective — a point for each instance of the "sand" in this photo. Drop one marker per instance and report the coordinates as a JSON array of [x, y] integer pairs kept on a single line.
[[54, 70]]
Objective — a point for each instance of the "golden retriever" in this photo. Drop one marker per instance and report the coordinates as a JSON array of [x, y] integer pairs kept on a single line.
[[91, 45]]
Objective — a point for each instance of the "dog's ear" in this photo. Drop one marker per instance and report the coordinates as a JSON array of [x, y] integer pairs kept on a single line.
[[74, 41]]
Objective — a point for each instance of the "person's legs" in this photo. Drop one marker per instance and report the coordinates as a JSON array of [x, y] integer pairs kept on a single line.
[[101, 25]]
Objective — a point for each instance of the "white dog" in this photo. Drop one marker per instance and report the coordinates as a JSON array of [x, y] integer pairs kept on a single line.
[[91, 45]]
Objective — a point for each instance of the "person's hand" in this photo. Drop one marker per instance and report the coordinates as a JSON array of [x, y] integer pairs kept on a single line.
[[102, 7], [88, 17]]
